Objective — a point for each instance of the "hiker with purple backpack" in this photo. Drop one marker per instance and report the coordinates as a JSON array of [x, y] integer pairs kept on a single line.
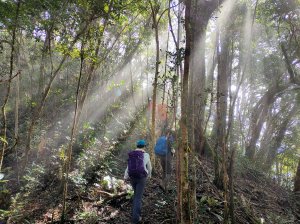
[[138, 169]]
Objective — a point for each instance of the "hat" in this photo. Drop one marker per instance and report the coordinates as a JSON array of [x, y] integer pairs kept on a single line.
[[141, 143]]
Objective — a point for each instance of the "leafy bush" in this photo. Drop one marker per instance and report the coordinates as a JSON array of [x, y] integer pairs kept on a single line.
[[88, 217], [34, 173], [77, 179]]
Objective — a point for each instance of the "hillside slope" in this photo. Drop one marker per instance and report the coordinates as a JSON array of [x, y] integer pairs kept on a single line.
[[257, 200]]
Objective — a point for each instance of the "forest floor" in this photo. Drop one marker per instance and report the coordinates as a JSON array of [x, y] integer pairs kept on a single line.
[[257, 200]]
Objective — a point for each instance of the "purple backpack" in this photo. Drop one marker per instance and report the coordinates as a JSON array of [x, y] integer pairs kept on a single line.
[[136, 164]]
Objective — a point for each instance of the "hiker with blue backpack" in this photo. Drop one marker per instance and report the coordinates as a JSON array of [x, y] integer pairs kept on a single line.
[[164, 150], [138, 170]]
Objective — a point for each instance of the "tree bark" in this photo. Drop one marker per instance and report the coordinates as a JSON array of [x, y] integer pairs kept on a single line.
[[221, 178], [231, 186], [175, 87], [45, 50], [297, 179], [185, 211], [154, 11], [16, 134], [201, 13]]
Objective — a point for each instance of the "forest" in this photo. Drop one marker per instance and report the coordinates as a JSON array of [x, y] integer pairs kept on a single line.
[[81, 81]]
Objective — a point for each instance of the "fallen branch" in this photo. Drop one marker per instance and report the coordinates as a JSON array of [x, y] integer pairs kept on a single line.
[[115, 197], [202, 169], [105, 193], [247, 209], [111, 197], [166, 221], [206, 175]]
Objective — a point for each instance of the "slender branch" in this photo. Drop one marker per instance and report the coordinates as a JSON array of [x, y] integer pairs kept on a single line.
[[108, 51], [10, 79], [73, 130], [254, 15], [5, 41], [291, 72], [165, 10], [171, 28]]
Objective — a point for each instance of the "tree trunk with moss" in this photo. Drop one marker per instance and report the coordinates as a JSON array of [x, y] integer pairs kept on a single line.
[[184, 210], [221, 148]]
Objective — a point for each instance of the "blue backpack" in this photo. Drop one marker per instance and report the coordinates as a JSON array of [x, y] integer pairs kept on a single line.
[[161, 146], [136, 164]]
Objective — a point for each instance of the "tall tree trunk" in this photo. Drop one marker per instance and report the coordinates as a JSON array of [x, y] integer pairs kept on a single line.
[[70, 146], [201, 13], [191, 123], [230, 140], [221, 178], [266, 139], [193, 183], [185, 212], [45, 50], [154, 11], [231, 185], [3, 133], [222, 94], [175, 87], [200, 17], [297, 179], [276, 141], [16, 134]]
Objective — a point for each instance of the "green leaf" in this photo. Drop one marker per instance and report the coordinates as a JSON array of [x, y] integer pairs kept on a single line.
[[62, 154], [203, 199], [211, 201], [75, 53], [106, 7], [33, 104], [3, 140]]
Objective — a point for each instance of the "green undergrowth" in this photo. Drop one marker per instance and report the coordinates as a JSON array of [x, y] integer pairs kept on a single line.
[[96, 154]]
